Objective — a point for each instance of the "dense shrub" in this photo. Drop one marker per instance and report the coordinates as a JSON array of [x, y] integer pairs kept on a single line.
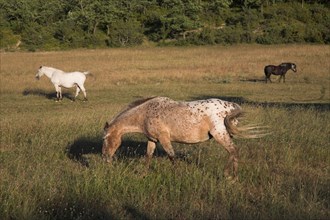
[[57, 24], [124, 34], [8, 38]]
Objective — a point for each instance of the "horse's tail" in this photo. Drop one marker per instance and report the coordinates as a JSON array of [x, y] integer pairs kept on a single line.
[[89, 73], [247, 131]]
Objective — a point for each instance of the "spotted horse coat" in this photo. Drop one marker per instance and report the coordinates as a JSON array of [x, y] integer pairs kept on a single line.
[[164, 120]]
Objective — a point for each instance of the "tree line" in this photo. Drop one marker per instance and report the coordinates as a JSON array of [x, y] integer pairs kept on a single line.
[[61, 24]]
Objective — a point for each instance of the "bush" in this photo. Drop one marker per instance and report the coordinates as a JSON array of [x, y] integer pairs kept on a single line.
[[64, 24], [125, 33], [8, 39]]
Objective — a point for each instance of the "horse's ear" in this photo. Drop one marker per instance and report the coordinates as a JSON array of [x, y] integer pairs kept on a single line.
[[106, 126]]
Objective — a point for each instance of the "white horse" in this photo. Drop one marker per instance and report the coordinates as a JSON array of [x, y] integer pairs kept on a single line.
[[62, 79]]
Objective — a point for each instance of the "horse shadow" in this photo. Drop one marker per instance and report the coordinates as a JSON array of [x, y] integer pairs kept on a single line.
[[321, 107], [136, 213], [46, 94], [254, 80], [83, 146], [65, 207]]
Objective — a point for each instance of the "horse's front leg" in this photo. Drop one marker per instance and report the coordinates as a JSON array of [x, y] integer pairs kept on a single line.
[[150, 151], [165, 141], [58, 92], [61, 93], [279, 80]]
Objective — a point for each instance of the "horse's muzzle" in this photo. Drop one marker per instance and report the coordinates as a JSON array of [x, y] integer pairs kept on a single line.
[[37, 77]]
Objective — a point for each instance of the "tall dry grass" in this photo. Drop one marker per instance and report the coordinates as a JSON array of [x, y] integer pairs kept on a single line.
[[156, 65]]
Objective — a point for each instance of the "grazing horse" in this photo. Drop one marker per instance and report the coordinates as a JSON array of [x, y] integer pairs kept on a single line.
[[279, 70], [62, 79], [164, 120]]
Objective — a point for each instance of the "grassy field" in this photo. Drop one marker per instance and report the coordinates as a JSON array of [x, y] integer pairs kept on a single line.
[[50, 152]]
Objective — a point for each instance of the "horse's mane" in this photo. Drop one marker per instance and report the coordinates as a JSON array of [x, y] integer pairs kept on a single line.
[[51, 68], [132, 105], [138, 102], [285, 64]]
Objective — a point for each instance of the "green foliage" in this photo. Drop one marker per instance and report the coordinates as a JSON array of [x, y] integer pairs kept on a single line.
[[291, 23], [125, 33], [57, 24], [8, 39]]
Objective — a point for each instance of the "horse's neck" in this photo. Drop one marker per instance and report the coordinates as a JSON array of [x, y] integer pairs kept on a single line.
[[50, 71], [286, 66], [127, 124]]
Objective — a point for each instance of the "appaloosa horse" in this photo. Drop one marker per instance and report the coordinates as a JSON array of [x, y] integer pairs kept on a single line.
[[164, 120], [279, 70]]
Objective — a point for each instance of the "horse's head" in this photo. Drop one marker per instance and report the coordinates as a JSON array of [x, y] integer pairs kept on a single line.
[[288, 66], [110, 142], [293, 67], [39, 73]]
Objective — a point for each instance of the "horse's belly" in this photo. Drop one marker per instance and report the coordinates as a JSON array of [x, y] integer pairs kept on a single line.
[[67, 85], [190, 135]]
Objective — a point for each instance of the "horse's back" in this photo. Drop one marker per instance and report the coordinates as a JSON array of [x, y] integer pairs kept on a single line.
[[68, 80], [165, 116], [75, 76], [188, 122]]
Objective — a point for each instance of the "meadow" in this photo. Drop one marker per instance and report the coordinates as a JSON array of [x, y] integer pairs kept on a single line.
[[50, 152]]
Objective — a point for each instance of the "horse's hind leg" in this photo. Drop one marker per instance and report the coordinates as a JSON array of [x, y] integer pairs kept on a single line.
[[77, 93], [82, 88], [225, 140]]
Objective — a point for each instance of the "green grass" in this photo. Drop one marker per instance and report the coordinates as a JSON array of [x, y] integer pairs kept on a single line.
[[51, 166]]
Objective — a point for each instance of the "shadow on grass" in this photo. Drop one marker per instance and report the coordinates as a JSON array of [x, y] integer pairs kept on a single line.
[[83, 146], [287, 105], [47, 95], [93, 145], [253, 80], [84, 208], [77, 208], [135, 213]]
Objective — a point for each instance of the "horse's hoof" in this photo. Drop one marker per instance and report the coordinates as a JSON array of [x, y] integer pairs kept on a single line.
[[231, 179], [107, 159]]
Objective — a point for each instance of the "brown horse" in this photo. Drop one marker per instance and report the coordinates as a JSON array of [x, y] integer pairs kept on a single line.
[[164, 120], [279, 70]]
